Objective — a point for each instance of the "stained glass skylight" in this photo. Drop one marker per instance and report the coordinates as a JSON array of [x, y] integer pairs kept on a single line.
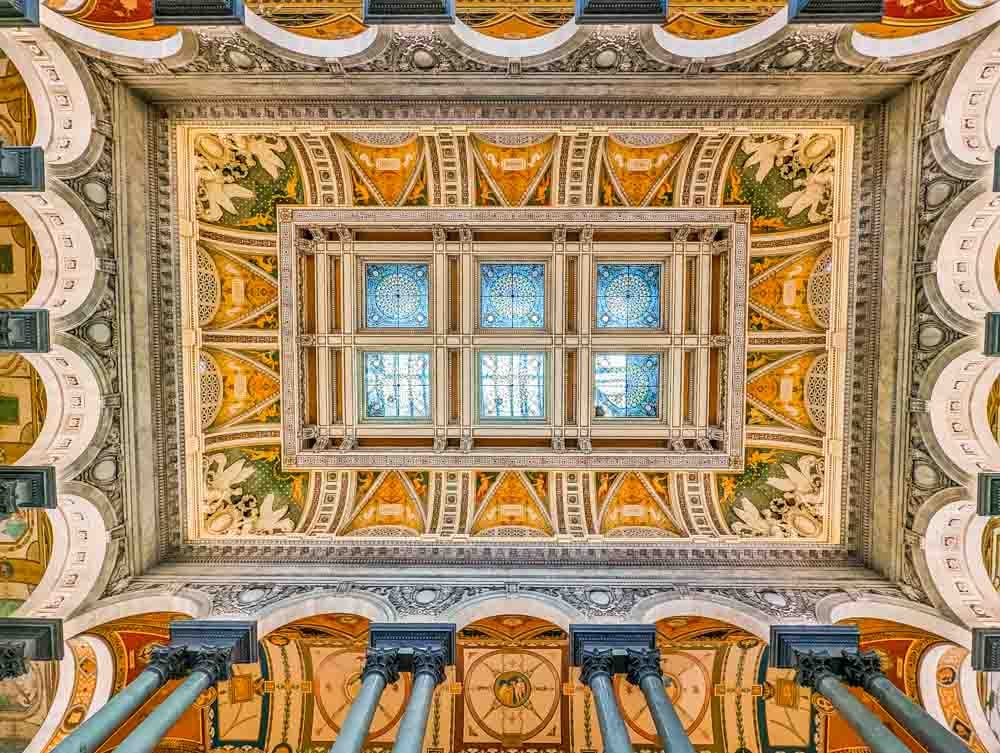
[[628, 296], [512, 296], [627, 385], [396, 296], [397, 385], [512, 385]]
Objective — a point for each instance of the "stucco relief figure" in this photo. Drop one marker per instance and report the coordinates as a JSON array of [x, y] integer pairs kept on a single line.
[[228, 508], [234, 166], [800, 169], [798, 512]]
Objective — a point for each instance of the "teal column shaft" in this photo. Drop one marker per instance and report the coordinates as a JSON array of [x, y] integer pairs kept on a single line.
[[148, 734], [864, 722], [355, 728], [413, 727], [929, 731], [609, 716], [673, 736], [96, 730]]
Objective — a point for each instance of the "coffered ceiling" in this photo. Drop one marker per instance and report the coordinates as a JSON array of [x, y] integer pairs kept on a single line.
[[517, 334]]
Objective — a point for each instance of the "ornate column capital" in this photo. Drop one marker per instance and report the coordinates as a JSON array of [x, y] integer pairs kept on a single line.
[[13, 660], [812, 667], [596, 662], [215, 661], [642, 663], [429, 661], [859, 668], [171, 662], [384, 662]]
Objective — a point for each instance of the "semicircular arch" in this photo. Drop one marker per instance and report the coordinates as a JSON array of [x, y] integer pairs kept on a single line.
[[664, 606]]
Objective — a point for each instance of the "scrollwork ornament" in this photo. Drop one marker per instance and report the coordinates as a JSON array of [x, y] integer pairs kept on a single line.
[[13, 662], [859, 668], [429, 661], [642, 663], [171, 662], [813, 667], [384, 662], [597, 662]]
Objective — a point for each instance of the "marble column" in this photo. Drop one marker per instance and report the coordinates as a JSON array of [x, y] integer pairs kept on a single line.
[[864, 670], [209, 665], [598, 670], [820, 673], [200, 651], [428, 672], [166, 663], [644, 672], [381, 669]]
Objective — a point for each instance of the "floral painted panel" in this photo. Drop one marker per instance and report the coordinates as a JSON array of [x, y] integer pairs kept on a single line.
[[512, 296], [628, 296], [627, 385], [396, 296], [512, 385], [397, 385]]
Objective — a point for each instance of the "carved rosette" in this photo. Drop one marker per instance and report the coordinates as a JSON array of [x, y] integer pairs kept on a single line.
[[384, 662], [429, 661], [597, 662], [171, 662], [642, 663], [13, 662]]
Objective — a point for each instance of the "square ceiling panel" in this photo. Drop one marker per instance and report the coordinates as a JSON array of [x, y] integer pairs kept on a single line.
[[515, 368]]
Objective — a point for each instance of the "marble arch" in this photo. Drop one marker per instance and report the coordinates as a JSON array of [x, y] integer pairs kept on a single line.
[[657, 608], [289, 41], [74, 391], [184, 601], [72, 277], [928, 41], [963, 249], [971, 121], [944, 701], [104, 673], [291, 610], [65, 105], [956, 388], [490, 605], [78, 560], [967, 681], [837, 608], [557, 41], [950, 561], [109, 43], [734, 44]]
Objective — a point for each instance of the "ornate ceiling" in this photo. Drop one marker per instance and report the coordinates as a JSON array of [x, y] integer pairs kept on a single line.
[[784, 485], [688, 19]]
